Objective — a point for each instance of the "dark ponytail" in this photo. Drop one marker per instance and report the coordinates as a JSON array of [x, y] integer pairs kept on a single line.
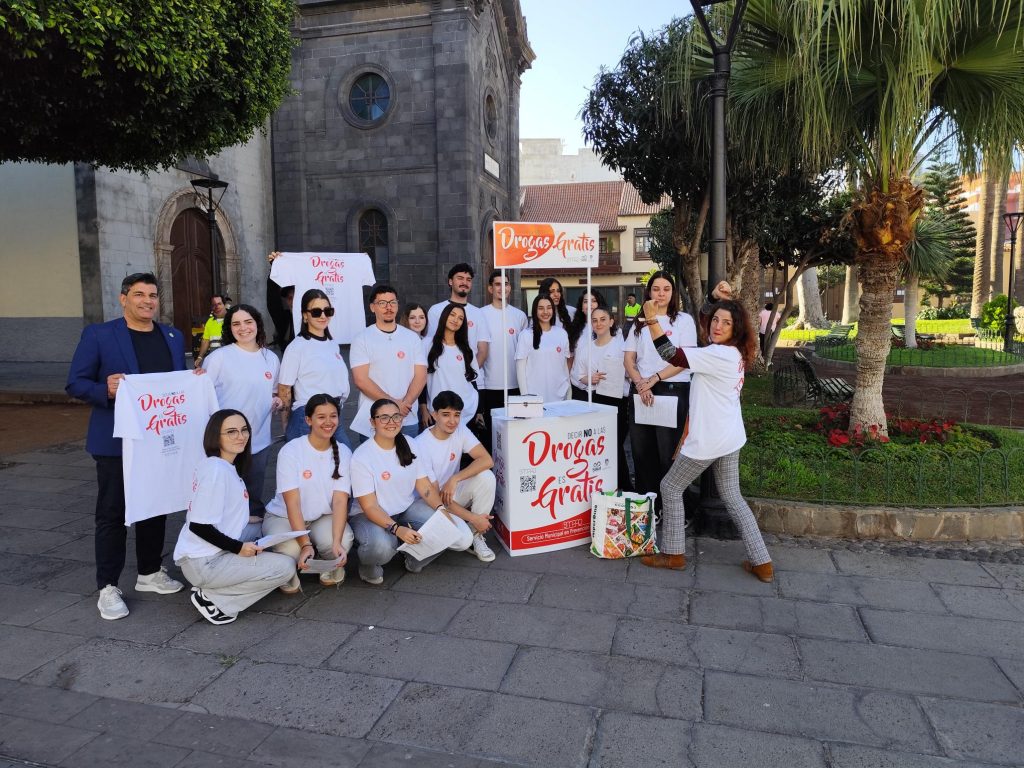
[[581, 318], [337, 460], [314, 402], [402, 449], [461, 342]]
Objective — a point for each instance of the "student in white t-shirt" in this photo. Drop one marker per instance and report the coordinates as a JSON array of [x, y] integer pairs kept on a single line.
[[467, 493], [552, 288], [388, 362], [244, 373], [579, 329], [460, 280], [313, 486], [653, 447], [716, 431], [312, 364], [542, 354], [499, 370], [393, 496], [450, 363], [605, 352], [212, 550]]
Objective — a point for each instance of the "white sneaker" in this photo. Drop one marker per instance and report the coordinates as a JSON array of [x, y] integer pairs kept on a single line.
[[371, 574], [333, 578], [158, 582], [481, 550], [111, 604]]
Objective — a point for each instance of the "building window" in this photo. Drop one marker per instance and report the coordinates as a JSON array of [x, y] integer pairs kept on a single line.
[[642, 244], [604, 245], [491, 117], [370, 97], [373, 240]]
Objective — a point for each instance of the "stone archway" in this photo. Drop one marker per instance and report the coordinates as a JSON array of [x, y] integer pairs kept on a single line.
[[177, 203]]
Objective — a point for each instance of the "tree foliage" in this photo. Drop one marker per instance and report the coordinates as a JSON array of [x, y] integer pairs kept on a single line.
[[944, 194], [137, 84]]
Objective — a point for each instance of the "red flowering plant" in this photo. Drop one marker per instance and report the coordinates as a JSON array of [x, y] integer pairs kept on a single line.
[[834, 423]]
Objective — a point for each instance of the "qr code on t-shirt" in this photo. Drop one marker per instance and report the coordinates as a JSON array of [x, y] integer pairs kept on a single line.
[[528, 483], [168, 441]]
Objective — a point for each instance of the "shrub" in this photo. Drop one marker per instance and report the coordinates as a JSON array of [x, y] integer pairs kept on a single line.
[[954, 311], [993, 314]]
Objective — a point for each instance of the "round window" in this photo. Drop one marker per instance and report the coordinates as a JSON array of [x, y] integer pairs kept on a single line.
[[370, 97], [491, 117]]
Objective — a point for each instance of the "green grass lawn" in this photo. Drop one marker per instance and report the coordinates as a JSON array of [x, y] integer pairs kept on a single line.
[[785, 459], [939, 356], [952, 327]]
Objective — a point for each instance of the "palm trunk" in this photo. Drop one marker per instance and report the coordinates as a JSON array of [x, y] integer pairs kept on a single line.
[[750, 274], [910, 303], [851, 308], [691, 258], [982, 245], [997, 282]]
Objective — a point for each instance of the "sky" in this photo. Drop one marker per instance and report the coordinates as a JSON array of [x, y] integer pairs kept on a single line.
[[573, 39]]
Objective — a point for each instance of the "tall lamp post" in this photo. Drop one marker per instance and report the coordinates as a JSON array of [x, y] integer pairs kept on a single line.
[[712, 518], [205, 187], [1012, 221]]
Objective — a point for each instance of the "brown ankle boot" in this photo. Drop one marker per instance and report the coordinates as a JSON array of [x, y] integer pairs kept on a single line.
[[764, 571], [661, 560]]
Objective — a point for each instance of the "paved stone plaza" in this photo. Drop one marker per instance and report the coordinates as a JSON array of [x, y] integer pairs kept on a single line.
[[849, 660]]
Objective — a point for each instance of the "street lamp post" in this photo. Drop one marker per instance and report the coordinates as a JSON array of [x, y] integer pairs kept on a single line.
[[1012, 221], [207, 186], [711, 518]]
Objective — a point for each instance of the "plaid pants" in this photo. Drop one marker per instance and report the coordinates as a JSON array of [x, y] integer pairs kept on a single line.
[[726, 470]]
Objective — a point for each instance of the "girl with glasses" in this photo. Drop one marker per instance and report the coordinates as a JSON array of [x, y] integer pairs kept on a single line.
[[244, 373], [312, 363], [212, 550], [394, 496], [313, 487]]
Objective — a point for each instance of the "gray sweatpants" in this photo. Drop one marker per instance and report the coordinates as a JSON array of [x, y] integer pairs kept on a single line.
[[234, 582], [727, 479]]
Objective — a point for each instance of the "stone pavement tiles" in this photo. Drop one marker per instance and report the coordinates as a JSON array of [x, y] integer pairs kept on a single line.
[[848, 660]]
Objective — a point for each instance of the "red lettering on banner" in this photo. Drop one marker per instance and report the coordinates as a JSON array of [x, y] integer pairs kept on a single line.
[[579, 484], [572, 529], [168, 415], [328, 270]]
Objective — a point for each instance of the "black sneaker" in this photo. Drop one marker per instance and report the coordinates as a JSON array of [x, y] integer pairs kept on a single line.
[[208, 610]]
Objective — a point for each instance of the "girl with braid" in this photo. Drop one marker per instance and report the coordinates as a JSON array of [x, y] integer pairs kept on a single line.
[[716, 431], [212, 550], [450, 364], [313, 488]]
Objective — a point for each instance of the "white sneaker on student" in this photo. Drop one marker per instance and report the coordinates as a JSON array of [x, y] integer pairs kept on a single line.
[[158, 582], [481, 550], [111, 604], [333, 578], [371, 574]]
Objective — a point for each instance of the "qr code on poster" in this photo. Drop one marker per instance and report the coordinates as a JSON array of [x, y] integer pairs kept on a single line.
[[168, 441], [528, 483]]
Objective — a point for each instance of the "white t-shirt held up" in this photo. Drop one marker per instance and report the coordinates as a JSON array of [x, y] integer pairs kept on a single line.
[[302, 467], [340, 275]]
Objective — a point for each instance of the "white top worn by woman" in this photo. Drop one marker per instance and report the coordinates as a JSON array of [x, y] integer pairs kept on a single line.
[[219, 499], [547, 372], [302, 467], [377, 470], [247, 382], [602, 360], [312, 366], [716, 422], [682, 333], [450, 373]]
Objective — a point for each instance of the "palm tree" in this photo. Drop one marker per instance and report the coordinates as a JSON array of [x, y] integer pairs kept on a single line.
[[930, 255], [877, 84], [980, 288]]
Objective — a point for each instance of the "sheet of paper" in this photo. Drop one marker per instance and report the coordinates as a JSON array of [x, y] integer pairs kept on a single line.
[[614, 382], [438, 533], [321, 566], [568, 408], [277, 538], [661, 414]]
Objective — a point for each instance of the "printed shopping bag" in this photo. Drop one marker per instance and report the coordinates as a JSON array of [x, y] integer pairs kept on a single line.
[[622, 525]]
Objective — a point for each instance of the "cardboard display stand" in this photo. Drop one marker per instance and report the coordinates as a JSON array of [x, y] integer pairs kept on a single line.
[[547, 469]]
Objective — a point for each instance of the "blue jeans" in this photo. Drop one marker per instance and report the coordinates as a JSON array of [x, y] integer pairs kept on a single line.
[[297, 427], [377, 546], [254, 481]]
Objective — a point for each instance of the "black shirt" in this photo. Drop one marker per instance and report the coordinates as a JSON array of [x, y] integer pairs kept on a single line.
[[151, 350]]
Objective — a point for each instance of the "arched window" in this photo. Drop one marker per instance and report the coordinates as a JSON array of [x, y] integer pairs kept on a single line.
[[373, 240]]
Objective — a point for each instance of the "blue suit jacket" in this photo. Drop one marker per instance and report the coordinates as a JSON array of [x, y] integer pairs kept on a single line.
[[105, 349]]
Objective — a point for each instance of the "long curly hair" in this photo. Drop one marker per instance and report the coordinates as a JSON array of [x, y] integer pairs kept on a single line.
[[744, 333]]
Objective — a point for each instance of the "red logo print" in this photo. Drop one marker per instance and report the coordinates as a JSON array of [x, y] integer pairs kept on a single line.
[[558, 349], [470, 323], [401, 355], [268, 375], [511, 331], [451, 457], [459, 358], [245, 494], [668, 333], [307, 474], [385, 476]]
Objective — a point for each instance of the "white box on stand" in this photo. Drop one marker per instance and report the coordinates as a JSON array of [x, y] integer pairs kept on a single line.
[[525, 406]]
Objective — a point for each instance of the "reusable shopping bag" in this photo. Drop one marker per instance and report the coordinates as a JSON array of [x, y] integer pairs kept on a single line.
[[622, 525]]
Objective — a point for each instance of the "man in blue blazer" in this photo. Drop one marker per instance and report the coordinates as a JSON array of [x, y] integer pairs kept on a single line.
[[134, 343]]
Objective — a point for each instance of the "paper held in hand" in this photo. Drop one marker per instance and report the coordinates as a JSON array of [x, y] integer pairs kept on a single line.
[[614, 381], [321, 566], [277, 538], [661, 414], [438, 533]]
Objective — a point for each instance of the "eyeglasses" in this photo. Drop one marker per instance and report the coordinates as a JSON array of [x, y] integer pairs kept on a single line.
[[236, 432], [382, 304], [317, 312], [393, 418]]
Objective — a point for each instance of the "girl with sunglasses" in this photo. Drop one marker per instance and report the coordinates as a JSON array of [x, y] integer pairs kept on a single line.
[[394, 496], [313, 486], [212, 550], [312, 363]]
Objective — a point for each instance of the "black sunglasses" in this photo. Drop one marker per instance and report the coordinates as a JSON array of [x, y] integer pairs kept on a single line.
[[317, 312]]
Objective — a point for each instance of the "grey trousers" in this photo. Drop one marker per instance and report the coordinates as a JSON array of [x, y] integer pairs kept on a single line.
[[727, 478], [233, 582]]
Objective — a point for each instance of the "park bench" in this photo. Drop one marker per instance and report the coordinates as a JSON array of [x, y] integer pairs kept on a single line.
[[822, 391], [840, 334], [899, 333]]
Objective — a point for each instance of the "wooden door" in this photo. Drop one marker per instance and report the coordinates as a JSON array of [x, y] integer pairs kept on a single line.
[[191, 270]]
